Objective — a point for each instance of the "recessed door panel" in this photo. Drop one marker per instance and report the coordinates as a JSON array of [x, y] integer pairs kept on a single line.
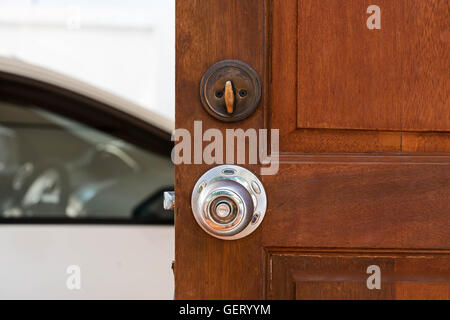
[[316, 275], [390, 75]]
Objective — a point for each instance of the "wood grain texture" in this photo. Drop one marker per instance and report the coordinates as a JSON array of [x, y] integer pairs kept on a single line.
[[352, 201], [424, 49], [351, 77], [375, 83], [425, 142], [338, 191], [347, 73], [207, 32], [307, 274]]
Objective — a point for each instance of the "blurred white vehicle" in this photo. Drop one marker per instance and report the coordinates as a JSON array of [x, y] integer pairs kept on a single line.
[[82, 173]]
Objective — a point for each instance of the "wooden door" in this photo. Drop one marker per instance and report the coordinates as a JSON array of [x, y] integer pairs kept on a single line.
[[363, 113]]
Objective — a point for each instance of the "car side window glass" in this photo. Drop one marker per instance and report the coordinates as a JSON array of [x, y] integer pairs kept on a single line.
[[54, 167]]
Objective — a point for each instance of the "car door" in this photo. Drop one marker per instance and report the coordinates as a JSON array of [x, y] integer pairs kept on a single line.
[[82, 185], [359, 94]]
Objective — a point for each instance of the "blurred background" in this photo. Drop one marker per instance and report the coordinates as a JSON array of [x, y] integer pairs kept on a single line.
[[56, 165], [125, 47]]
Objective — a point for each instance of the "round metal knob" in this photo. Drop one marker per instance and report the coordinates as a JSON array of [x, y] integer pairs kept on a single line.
[[229, 202]]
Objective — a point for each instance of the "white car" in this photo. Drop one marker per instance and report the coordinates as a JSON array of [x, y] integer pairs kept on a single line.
[[82, 176]]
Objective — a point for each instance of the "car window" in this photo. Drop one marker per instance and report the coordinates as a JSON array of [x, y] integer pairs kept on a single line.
[[52, 166]]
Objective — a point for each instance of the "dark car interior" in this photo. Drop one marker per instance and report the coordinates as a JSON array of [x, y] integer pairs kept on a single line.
[[55, 167]]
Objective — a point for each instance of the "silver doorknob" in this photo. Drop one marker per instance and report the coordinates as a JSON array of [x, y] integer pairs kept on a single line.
[[229, 202]]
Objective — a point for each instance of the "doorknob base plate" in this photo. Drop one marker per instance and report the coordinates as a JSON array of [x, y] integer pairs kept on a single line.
[[231, 186]]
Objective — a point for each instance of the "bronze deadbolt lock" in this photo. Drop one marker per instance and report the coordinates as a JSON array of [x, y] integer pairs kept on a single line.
[[230, 90]]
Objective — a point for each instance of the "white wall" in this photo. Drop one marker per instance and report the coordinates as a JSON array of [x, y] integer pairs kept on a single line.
[[117, 262], [126, 47]]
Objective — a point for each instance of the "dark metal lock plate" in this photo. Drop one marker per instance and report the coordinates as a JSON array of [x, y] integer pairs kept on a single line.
[[230, 90]]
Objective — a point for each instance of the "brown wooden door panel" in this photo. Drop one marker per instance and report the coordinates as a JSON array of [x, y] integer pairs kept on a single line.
[[343, 275], [359, 201], [340, 87], [208, 31], [364, 121], [350, 77]]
